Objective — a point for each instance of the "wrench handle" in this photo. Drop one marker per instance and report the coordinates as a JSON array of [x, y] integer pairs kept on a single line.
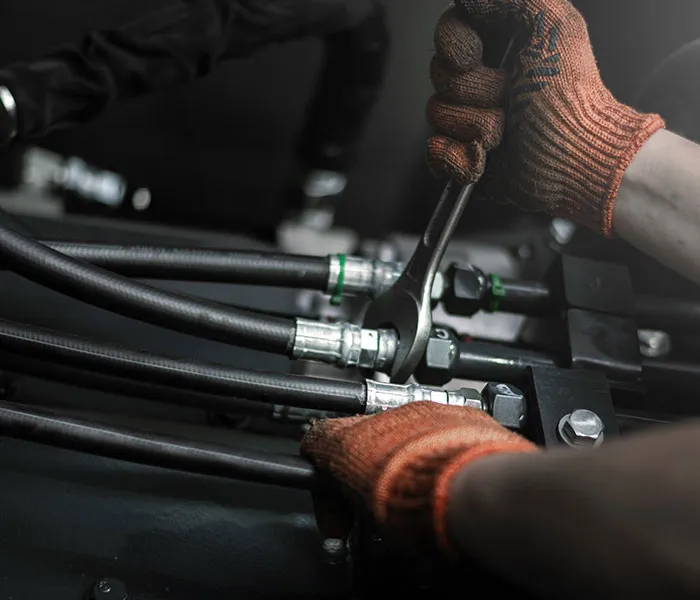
[[423, 265]]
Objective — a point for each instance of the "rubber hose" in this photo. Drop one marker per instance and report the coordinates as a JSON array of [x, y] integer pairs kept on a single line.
[[118, 294], [194, 264], [16, 364], [154, 450], [273, 388]]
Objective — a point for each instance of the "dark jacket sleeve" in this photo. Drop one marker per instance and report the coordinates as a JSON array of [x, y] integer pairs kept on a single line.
[[621, 521], [181, 42]]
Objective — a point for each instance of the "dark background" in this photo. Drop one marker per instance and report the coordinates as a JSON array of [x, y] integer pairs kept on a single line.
[[220, 151]]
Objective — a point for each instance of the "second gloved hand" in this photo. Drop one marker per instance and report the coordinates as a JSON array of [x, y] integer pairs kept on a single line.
[[567, 140], [401, 463]]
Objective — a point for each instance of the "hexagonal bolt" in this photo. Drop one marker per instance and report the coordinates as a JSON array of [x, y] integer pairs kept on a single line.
[[582, 428], [506, 404]]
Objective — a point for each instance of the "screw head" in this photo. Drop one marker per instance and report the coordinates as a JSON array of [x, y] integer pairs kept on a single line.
[[581, 428]]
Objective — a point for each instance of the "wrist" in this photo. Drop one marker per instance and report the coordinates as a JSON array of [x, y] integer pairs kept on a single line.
[[606, 139]]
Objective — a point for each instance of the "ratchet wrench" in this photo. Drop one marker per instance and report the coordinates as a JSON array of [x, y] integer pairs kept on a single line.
[[407, 306]]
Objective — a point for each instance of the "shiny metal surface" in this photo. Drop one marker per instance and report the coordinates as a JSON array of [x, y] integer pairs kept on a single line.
[[581, 428], [407, 305], [344, 345], [386, 396]]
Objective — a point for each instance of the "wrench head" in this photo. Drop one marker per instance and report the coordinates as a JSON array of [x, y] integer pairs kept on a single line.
[[399, 309]]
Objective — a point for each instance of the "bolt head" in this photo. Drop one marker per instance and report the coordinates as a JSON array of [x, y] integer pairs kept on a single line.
[[506, 404], [581, 428]]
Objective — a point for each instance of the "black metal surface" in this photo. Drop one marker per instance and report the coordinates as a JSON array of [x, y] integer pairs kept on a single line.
[[591, 285], [555, 393], [606, 343]]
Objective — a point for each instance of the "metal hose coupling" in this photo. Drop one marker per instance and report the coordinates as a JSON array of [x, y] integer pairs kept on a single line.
[[354, 276], [345, 345], [386, 396]]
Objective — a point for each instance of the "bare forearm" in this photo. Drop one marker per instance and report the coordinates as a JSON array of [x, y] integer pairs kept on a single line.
[[658, 206], [619, 522]]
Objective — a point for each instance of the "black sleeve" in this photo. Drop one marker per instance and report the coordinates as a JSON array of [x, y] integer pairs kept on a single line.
[[179, 43]]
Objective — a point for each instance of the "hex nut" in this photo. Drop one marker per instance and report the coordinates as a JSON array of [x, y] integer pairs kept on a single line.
[[506, 404], [465, 290], [581, 428], [436, 366]]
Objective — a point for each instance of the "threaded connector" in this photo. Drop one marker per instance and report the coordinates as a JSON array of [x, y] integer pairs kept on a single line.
[[386, 396], [345, 345]]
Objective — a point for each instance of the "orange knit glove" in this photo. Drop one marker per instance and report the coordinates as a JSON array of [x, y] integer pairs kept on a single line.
[[567, 142], [400, 463]]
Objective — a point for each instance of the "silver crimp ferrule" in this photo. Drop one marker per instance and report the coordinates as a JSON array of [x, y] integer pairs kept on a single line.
[[361, 276], [386, 396], [345, 345], [8, 102]]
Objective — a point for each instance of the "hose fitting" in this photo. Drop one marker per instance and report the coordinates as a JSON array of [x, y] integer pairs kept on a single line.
[[354, 276], [350, 276], [386, 396], [345, 345]]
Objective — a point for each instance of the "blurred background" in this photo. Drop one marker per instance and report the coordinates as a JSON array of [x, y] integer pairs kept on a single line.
[[218, 153]]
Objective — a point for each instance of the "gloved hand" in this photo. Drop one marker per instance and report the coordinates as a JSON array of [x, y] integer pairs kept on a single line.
[[567, 141], [401, 463]]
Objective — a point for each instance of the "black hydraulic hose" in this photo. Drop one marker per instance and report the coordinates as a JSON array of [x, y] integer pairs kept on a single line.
[[195, 264], [274, 388], [21, 364], [154, 450], [96, 286]]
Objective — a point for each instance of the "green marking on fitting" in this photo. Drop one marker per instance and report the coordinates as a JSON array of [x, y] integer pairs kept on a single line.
[[337, 297], [498, 292]]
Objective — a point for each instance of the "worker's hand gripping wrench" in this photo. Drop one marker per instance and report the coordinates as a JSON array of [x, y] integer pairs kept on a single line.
[[406, 306]]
